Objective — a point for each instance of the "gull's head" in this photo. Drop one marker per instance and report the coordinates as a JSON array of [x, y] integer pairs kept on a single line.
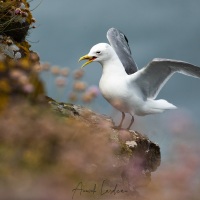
[[99, 53]]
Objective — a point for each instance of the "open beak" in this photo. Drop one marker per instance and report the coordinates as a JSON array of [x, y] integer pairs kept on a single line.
[[87, 57]]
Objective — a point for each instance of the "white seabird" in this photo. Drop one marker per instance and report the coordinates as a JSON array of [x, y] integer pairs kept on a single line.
[[130, 90]]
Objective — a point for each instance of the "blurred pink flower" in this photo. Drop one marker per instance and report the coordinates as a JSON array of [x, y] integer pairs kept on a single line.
[[60, 81], [24, 14], [93, 90], [18, 11], [15, 74], [28, 88], [87, 97], [45, 66], [23, 79], [37, 68], [64, 71], [79, 86], [78, 74], [55, 70]]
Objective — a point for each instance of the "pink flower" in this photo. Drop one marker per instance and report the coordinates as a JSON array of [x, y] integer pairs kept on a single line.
[[87, 98], [18, 11], [64, 71], [60, 81], [16, 74], [93, 90], [79, 86], [28, 88], [55, 70], [78, 74]]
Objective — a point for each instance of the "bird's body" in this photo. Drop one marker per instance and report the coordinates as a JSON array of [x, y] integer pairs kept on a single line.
[[122, 91], [135, 92]]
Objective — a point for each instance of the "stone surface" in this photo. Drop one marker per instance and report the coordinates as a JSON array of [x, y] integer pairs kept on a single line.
[[136, 155]]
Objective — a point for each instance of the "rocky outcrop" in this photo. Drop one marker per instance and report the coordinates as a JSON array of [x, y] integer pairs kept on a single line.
[[136, 155], [19, 65]]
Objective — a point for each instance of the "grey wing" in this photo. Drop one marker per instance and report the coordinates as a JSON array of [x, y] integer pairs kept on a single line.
[[153, 77], [119, 42]]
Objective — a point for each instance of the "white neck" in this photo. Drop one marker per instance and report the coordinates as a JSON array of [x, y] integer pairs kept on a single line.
[[113, 66]]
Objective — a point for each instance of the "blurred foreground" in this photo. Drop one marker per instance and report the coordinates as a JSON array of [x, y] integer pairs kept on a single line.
[[45, 156]]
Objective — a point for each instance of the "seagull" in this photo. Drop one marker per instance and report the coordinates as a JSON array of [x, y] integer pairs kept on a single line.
[[128, 89]]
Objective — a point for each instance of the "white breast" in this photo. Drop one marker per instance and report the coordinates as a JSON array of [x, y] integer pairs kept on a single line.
[[117, 91]]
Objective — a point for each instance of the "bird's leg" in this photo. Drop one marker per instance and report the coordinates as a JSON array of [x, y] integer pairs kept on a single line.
[[123, 116], [120, 125], [132, 120]]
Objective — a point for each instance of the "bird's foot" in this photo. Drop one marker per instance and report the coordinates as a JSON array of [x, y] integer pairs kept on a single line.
[[117, 127], [132, 120], [120, 128]]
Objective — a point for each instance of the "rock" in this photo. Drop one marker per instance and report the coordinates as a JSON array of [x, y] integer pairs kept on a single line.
[[15, 19], [18, 74], [136, 155]]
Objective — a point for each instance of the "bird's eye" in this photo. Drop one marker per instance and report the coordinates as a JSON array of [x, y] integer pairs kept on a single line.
[[98, 52]]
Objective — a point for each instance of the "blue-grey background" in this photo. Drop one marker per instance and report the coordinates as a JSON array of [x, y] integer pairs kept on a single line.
[[67, 29]]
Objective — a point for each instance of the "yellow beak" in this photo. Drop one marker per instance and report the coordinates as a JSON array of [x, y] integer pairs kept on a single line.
[[86, 57]]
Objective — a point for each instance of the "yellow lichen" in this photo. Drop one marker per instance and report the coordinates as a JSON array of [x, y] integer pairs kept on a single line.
[[2, 67], [24, 46], [4, 100], [4, 86], [18, 77], [24, 63]]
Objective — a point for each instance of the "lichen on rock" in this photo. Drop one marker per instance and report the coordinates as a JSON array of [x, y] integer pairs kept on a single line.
[[15, 19], [17, 62], [18, 78]]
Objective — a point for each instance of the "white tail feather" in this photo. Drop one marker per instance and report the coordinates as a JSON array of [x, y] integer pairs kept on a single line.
[[157, 106], [163, 104]]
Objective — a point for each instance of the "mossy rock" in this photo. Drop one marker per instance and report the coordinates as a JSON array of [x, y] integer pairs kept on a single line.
[[19, 78], [15, 19], [18, 65]]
